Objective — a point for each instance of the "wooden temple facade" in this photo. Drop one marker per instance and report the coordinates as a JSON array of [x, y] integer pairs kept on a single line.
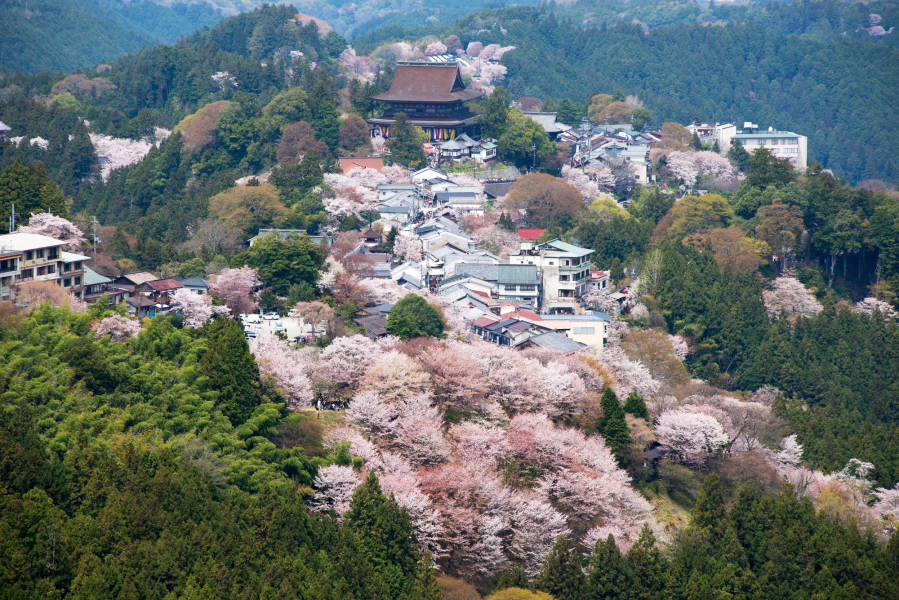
[[432, 96]]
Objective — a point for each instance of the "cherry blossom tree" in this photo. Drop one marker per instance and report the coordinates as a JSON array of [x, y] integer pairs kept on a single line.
[[382, 291], [408, 248], [602, 175], [396, 174], [334, 487], [285, 366], [196, 309], [426, 519], [691, 437], [598, 299], [714, 165], [346, 359], [580, 181], [474, 48], [681, 166], [235, 287], [435, 48], [117, 327], [535, 527], [329, 275], [395, 376], [790, 298], [886, 508], [790, 452], [630, 375], [55, 227], [367, 409], [869, 305]]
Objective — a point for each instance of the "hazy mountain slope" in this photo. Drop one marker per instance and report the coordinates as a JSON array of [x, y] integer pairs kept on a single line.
[[66, 35]]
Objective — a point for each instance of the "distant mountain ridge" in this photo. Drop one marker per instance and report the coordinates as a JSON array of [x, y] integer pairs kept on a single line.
[[68, 35]]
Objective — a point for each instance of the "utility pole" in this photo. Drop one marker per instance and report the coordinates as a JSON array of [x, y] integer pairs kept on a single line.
[[12, 219], [534, 157], [94, 223]]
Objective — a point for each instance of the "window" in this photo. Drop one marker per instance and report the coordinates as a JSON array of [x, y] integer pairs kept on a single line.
[[66, 267], [53, 253], [563, 278], [51, 269], [78, 281], [66, 282], [29, 255], [27, 273], [527, 287], [583, 330], [39, 253]]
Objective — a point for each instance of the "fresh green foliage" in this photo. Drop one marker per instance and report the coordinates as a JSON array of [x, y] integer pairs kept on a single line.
[[413, 317], [282, 264], [122, 477]]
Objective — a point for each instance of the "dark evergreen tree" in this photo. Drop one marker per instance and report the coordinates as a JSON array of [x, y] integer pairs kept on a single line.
[[425, 586], [515, 577], [494, 113], [31, 191], [231, 370], [385, 533], [612, 425], [562, 575], [738, 156], [324, 118], [709, 510], [389, 240], [646, 568], [406, 143], [607, 575], [636, 406]]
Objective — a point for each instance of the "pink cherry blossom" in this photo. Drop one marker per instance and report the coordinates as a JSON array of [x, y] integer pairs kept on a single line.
[[334, 487], [435, 48], [55, 227], [408, 248], [235, 287], [117, 327], [580, 181], [691, 437], [285, 366], [196, 309], [346, 358], [790, 297]]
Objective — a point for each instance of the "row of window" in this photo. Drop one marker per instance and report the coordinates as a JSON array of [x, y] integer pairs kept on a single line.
[[49, 253], [524, 287]]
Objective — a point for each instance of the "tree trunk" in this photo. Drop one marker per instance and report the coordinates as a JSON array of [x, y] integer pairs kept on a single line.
[[833, 261]]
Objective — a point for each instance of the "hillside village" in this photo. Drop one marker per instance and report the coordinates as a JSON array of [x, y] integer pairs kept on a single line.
[[294, 321]]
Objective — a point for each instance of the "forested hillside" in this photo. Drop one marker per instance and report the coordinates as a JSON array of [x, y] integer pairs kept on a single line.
[[61, 35]]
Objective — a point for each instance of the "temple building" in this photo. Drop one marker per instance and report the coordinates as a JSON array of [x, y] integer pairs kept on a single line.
[[432, 96]]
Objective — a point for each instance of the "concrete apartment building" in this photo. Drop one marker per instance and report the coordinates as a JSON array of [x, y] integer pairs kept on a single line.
[[32, 257], [564, 268]]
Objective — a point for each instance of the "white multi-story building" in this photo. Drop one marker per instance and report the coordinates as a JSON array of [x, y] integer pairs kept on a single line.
[[30, 256], [564, 269], [781, 144]]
